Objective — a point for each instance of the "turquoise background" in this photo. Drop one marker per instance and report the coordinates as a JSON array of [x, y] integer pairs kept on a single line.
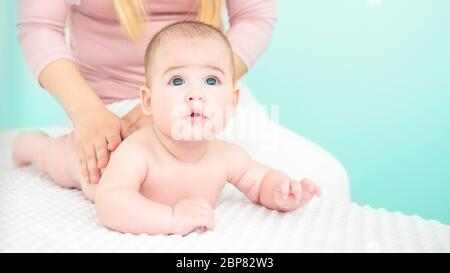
[[369, 83]]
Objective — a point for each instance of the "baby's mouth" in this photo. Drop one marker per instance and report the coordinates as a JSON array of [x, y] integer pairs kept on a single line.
[[194, 115]]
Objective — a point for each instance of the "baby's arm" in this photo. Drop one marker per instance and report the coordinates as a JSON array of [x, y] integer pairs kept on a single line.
[[118, 202], [266, 186]]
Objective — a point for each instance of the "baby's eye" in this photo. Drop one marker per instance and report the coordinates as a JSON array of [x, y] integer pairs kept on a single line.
[[212, 81], [176, 81]]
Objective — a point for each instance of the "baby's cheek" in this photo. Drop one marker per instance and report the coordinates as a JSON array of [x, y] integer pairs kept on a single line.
[[162, 120]]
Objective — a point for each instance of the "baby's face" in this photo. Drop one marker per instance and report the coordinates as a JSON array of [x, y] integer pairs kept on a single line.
[[192, 93]]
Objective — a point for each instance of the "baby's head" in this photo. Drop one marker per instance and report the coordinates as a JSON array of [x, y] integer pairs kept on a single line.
[[190, 88]]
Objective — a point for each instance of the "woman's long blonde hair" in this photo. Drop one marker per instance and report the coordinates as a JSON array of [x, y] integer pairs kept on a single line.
[[132, 12]]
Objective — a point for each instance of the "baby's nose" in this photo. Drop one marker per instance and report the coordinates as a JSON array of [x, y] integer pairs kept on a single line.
[[195, 96]]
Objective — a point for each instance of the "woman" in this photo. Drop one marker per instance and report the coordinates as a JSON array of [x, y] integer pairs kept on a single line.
[[105, 64]]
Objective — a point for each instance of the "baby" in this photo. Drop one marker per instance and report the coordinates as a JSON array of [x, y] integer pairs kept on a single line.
[[166, 177]]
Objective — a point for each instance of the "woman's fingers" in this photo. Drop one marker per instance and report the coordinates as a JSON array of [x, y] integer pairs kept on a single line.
[[83, 165], [133, 129], [113, 140], [91, 157], [96, 134], [101, 149], [124, 129]]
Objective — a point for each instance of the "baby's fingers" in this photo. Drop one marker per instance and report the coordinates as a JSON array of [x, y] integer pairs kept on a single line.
[[306, 197], [283, 189], [307, 185], [318, 191], [296, 189], [205, 221], [204, 204]]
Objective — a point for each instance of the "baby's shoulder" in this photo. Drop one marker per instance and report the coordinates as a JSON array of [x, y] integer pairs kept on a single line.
[[137, 143], [229, 150], [235, 158]]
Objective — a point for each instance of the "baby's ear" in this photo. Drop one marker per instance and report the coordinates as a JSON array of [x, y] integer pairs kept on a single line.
[[146, 100]]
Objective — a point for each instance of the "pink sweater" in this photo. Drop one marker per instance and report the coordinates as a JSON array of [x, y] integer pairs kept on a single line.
[[112, 63]]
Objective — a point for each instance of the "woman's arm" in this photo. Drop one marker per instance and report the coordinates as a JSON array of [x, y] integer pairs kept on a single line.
[[97, 131], [62, 79], [41, 33], [251, 26]]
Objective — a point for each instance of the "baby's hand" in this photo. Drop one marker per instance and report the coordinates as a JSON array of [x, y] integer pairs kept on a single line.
[[291, 195], [192, 214]]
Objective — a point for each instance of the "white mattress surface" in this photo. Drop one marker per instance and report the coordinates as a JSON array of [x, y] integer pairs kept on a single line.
[[36, 215]]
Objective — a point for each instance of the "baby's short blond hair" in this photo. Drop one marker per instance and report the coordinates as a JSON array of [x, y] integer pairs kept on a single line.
[[189, 29]]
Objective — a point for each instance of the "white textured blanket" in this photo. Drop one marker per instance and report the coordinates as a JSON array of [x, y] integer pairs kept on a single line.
[[36, 215]]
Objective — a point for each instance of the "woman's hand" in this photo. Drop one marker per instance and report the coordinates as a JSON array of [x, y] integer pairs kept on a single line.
[[135, 120], [97, 132]]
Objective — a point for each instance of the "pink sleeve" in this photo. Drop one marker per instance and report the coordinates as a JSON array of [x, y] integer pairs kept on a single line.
[[251, 26], [40, 30]]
